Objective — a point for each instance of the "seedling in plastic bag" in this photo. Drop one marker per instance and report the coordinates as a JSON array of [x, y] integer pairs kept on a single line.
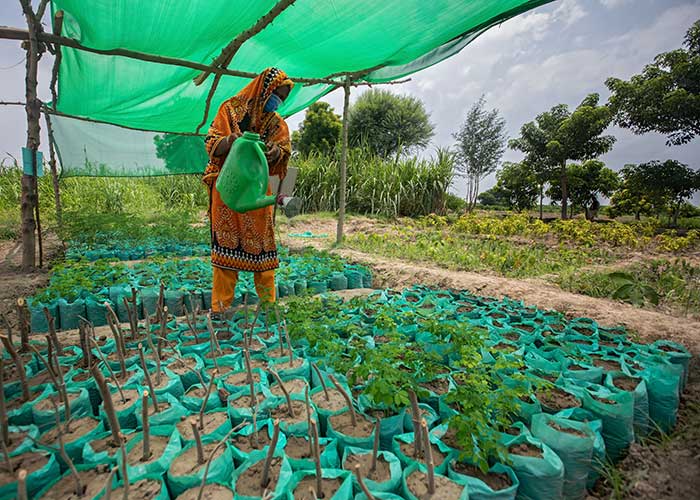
[[109, 368], [108, 486], [265, 479], [206, 398], [108, 405], [149, 382], [346, 396], [317, 460], [19, 364], [323, 382], [22, 485], [362, 484], [284, 390], [146, 428], [429, 463]]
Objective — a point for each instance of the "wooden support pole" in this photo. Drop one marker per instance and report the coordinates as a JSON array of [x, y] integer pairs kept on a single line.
[[33, 105], [343, 165], [227, 53]]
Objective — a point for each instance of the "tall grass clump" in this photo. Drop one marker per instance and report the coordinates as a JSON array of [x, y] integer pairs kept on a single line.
[[101, 199], [375, 185]]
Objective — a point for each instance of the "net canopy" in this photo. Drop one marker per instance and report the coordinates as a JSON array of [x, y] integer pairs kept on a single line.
[[376, 41]]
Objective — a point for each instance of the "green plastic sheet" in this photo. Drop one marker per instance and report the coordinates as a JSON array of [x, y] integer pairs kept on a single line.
[[305, 41]]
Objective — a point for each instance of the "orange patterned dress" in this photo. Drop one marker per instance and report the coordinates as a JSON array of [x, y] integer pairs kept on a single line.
[[246, 241]]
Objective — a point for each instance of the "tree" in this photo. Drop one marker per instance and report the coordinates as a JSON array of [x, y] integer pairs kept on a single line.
[[557, 136], [481, 142], [517, 186], [490, 198], [587, 180], [632, 196], [671, 180], [320, 130], [389, 124], [181, 153], [665, 97]]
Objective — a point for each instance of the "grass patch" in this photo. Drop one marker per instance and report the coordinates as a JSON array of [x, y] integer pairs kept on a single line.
[[459, 251]]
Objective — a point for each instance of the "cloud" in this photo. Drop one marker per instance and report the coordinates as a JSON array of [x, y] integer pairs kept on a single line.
[[613, 4]]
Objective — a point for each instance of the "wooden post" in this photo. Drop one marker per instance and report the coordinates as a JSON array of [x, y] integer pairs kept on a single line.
[[33, 105], [57, 28], [343, 164]]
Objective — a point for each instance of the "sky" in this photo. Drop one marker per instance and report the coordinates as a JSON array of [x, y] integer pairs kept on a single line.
[[558, 53]]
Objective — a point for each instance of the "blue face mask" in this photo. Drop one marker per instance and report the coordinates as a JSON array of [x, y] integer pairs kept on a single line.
[[273, 102]]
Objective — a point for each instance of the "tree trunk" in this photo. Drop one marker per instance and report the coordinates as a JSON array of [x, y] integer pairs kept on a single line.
[[637, 215], [676, 211], [32, 107], [541, 197], [564, 181]]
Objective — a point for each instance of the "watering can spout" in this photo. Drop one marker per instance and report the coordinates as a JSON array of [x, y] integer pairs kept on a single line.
[[243, 180]]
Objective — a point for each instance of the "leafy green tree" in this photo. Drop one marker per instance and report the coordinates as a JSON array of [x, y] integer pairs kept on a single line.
[[319, 131], [588, 181], [481, 142], [665, 97], [558, 136], [632, 195], [389, 124], [182, 154], [673, 180], [517, 185], [491, 198]]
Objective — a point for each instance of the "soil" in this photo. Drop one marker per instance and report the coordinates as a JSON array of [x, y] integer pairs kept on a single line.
[[606, 364], [43, 377], [604, 400], [211, 492], [298, 447], [381, 474], [577, 368], [495, 480], [245, 401], [200, 392], [122, 379], [255, 345], [557, 399], [336, 403], [130, 397], [143, 490], [157, 446], [303, 489], [511, 336], [162, 406], [293, 386], [438, 456], [342, 423], [93, 480], [186, 462], [45, 404], [626, 383], [106, 444], [282, 412], [438, 386], [77, 429], [177, 366], [248, 483], [568, 430], [212, 421], [525, 450], [30, 461], [445, 488], [246, 443], [240, 379]]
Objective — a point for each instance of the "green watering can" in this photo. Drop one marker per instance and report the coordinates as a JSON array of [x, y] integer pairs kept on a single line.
[[244, 177]]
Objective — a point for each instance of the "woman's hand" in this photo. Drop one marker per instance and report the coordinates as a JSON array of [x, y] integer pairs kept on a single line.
[[273, 154], [225, 144]]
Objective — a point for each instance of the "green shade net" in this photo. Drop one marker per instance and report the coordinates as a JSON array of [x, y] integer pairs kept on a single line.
[[310, 39]]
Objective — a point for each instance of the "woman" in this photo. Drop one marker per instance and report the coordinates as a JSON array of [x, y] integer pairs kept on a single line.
[[246, 241]]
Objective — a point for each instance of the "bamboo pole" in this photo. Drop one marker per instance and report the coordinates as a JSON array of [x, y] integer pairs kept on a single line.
[[343, 164]]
